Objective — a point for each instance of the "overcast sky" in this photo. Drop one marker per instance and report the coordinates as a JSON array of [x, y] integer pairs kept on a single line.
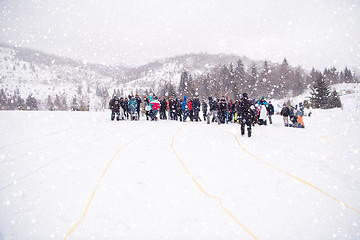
[[309, 33]]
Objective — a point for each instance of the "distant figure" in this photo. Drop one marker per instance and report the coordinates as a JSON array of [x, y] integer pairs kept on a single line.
[[301, 115], [114, 105], [246, 114], [204, 107], [196, 108], [270, 109], [285, 112], [213, 111], [155, 108], [185, 109]]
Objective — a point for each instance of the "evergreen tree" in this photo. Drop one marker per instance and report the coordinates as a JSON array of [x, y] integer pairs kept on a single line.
[[31, 103], [171, 90], [334, 100], [64, 106], [298, 84], [57, 103], [253, 80], [264, 80], [74, 104], [348, 76], [20, 103], [49, 104], [239, 76], [320, 92], [3, 99]]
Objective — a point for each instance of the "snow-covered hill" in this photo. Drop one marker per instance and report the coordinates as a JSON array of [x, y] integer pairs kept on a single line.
[[42, 75]]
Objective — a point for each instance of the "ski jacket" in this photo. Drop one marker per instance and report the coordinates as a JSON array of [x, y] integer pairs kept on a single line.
[[114, 104], [301, 110], [184, 104], [245, 109], [163, 104], [132, 104], [213, 105], [138, 100], [223, 105], [178, 106], [190, 105], [156, 105], [172, 104], [285, 111], [196, 104], [263, 112], [204, 107], [270, 109], [150, 102]]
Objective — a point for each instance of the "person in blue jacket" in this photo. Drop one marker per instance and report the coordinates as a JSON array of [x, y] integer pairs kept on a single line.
[[185, 109]]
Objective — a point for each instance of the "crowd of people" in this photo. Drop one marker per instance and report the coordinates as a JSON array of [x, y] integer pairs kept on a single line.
[[244, 111]]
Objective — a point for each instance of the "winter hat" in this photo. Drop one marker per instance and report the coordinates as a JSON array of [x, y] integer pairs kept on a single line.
[[245, 95]]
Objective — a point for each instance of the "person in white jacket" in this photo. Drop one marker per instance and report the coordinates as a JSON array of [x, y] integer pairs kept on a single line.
[[263, 115]]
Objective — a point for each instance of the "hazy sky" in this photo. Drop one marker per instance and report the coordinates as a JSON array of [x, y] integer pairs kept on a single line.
[[309, 33]]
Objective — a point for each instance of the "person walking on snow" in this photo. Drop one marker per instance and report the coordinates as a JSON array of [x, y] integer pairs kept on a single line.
[[114, 105], [246, 114]]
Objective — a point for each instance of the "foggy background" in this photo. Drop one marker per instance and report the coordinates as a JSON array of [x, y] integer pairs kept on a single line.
[[308, 33]]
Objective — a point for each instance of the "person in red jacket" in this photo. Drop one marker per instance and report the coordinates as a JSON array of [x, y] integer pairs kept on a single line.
[[190, 106], [155, 108]]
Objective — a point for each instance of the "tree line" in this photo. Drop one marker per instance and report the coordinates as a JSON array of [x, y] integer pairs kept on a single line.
[[273, 81]]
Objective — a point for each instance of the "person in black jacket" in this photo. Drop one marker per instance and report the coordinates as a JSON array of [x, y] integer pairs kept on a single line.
[[213, 111], [196, 108], [270, 109], [163, 106], [285, 112], [114, 105], [246, 114], [223, 109], [172, 108], [179, 109], [138, 100], [204, 109]]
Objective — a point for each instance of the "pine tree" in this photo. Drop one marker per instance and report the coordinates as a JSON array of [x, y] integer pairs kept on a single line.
[[239, 76], [57, 103], [320, 93], [75, 104], [3, 99], [334, 100], [49, 104], [253, 81], [183, 83], [31, 103]]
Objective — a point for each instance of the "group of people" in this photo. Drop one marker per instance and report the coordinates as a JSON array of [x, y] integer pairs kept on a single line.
[[245, 111], [295, 114]]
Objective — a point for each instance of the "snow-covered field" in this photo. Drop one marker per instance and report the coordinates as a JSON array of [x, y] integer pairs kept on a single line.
[[77, 175]]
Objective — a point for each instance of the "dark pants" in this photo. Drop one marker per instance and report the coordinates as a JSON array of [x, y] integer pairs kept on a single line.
[[248, 123], [196, 115], [113, 112]]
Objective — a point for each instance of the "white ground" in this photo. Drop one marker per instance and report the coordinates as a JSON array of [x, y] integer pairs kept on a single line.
[[173, 180]]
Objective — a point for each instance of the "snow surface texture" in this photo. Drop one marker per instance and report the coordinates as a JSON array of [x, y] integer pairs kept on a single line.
[[77, 175]]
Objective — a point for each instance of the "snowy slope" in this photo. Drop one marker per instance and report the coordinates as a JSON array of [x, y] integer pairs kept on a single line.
[[77, 175]]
